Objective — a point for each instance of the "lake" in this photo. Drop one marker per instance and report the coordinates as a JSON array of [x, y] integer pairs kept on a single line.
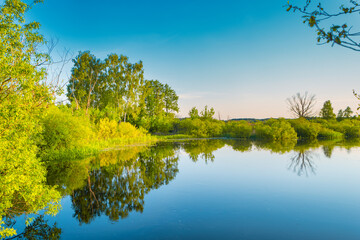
[[211, 189]]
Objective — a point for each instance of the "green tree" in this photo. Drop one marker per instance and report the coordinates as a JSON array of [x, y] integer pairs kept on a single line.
[[23, 98], [125, 82], [207, 113], [84, 83], [327, 111], [155, 98], [171, 100], [340, 115], [194, 113], [348, 112]]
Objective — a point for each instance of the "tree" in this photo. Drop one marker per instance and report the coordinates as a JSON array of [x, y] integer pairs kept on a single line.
[[155, 98], [194, 113], [348, 112], [336, 33], [125, 84], [23, 98], [113, 84], [84, 79], [327, 111], [207, 113], [302, 105], [340, 114], [171, 100]]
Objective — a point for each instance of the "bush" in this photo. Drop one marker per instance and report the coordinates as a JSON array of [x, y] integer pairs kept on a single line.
[[263, 131], [326, 133], [62, 130], [275, 130], [162, 124], [110, 129], [237, 129], [352, 131], [107, 129], [201, 127], [306, 129]]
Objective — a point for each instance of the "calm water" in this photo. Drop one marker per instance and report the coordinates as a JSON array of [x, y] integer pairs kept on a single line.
[[212, 189]]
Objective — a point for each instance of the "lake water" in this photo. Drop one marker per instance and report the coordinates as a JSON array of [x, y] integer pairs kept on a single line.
[[212, 189]]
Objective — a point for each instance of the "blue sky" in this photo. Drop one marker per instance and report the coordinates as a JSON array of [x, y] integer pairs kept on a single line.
[[244, 58]]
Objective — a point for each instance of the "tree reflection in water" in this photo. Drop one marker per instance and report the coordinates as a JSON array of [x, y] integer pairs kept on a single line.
[[39, 229], [302, 163], [203, 149], [117, 189], [115, 182]]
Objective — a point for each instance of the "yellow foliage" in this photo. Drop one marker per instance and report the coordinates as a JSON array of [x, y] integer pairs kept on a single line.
[[107, 129]]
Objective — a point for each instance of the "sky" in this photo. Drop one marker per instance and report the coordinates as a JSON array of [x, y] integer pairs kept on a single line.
[[244, 58]]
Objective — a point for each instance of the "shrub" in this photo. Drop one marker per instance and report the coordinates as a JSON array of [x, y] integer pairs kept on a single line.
[[201, 127], [275, 130], [107, 129], [62, 130], [306, 129], [126, 130], [214, 127], [237, 129], [162, 124], [326, 133], [352, 131]]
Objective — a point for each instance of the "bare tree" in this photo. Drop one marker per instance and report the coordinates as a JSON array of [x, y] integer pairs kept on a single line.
[[301, 163], [302, 105]]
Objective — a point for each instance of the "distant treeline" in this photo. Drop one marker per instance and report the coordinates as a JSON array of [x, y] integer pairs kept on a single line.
[[204, 125]]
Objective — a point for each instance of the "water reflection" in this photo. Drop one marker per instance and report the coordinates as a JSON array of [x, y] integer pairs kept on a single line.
[[39, 229], [114, 183], [302, 163], [203, 149]]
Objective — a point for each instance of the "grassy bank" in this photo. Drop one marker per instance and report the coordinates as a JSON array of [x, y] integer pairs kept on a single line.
[[68, 136]]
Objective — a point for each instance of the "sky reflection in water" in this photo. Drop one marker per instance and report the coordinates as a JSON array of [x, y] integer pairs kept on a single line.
[[212, 189]]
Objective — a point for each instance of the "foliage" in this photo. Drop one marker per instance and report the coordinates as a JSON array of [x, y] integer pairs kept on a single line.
[[352, 131], [163, 124], [275, 130], [207, 113], [116, 89], [347, 112], [335, 33], [194, 113], [201, 127], [305, 129], [85, 80], [23, 98], [326, 133], [62, 130], [237, 129], [327, 111]]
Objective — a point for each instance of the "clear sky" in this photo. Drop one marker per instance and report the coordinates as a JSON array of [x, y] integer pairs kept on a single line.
[[244, 58]]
